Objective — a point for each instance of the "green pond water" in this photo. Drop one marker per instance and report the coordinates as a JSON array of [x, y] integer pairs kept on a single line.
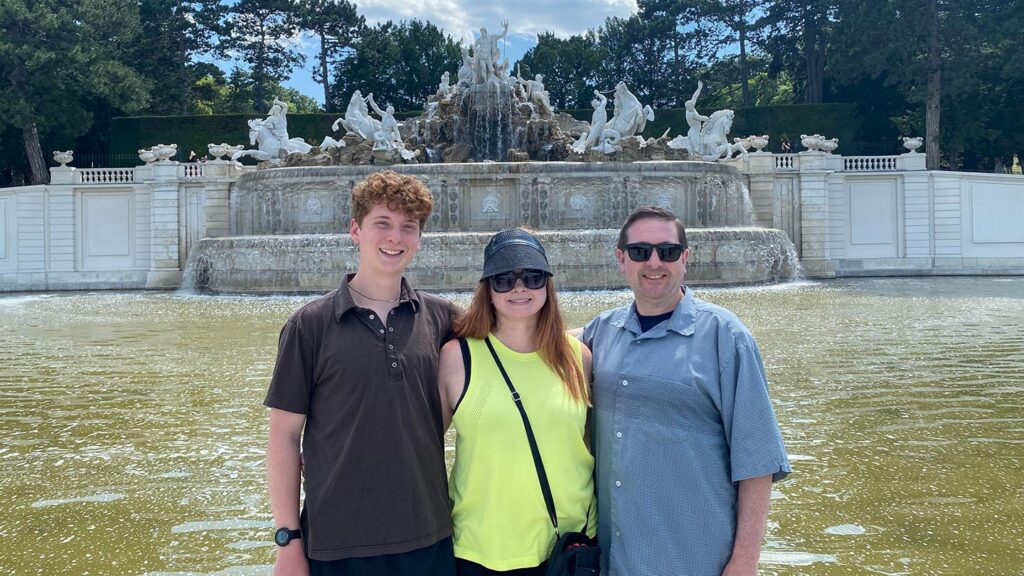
[[133, 432]]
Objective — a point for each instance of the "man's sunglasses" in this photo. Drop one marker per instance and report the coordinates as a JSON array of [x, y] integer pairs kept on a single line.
[[506, 281], [667, 252]]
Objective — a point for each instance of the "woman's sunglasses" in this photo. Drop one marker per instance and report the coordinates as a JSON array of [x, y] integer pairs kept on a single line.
[[506, 281], [667, 252]]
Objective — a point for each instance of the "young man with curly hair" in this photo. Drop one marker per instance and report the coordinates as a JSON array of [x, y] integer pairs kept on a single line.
[[355, 385]]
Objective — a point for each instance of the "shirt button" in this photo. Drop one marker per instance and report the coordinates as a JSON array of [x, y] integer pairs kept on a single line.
[[391, 329], [392, 312], [372, 316], [618, 434], [381, 330], [391, 346], [625, 382], [394, 364], [618, 483], [618, 534]]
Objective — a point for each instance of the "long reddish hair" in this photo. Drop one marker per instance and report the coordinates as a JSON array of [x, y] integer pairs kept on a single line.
[[552, 341]]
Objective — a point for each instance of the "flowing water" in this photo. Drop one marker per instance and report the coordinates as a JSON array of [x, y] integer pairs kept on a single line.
[[133, 431]]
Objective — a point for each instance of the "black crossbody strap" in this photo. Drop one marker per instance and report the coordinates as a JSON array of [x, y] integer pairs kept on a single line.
[[542, 476]]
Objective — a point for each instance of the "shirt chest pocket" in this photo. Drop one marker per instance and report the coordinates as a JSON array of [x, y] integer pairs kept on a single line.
[[658, 409]]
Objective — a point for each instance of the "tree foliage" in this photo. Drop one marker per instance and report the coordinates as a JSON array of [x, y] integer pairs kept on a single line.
[[400, 63], [59, 62], [570, 66], [262, 34], [336, 27]]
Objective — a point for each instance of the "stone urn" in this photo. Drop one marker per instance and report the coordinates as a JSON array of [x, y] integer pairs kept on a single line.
[[147, 155], [912, 143], [164, 152], [63, 158], [758, 143], [232, 150], [829, 146], [217, 151], [812, 142]]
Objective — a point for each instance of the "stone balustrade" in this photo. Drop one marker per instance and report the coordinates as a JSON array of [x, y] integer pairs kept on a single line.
[[870, 163], [105, 175]]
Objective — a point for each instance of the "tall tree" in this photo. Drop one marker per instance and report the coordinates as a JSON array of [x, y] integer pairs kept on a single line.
[[798, 41], [688, 44], [401, 64], [262, 33], [175, 32], [737, 23], [635, 55], [337, 27], [929, 48], [569, 66], [59, 60]]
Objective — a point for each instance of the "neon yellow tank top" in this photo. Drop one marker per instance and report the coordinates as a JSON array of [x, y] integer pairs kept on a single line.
[[498, 512]]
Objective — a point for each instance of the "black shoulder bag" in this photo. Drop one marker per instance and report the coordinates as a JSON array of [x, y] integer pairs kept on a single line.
[[574, 554]]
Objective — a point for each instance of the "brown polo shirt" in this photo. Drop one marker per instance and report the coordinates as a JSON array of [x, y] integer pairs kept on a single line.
[[375, 478]]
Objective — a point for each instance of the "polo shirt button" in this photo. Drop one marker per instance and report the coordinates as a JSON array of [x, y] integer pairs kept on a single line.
[[391, 346], [372, 316], [625, 382], [381, 330], [394, 364], [618, 434], [618, 534], [392, 312], [618, 483], [391, 329]]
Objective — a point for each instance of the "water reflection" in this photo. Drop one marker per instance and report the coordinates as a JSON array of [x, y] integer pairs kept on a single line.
[[134, 432]]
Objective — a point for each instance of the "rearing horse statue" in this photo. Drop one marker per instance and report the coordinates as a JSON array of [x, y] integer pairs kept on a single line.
[[270, 148]]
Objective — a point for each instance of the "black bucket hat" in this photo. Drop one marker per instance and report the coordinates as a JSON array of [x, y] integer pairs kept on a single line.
[[514, 249]]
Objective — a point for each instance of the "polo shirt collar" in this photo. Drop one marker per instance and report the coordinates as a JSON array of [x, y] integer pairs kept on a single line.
[[343, 297], [683, 320]]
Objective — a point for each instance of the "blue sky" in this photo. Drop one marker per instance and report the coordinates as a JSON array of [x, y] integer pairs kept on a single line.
[[462, 18]]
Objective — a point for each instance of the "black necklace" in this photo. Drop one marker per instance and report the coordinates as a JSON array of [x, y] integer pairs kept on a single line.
[[395, 299]]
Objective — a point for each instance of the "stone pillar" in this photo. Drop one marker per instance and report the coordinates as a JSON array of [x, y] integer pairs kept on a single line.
[[218, 176], [60, 253], [814, 216], [165, 267], [760, 169], [917, 209]]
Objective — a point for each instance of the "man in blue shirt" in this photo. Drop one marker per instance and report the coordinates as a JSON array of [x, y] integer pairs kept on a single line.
[[687, 442]]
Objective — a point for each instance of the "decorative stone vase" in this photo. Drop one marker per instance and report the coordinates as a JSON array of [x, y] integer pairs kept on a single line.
[[217, 151], [63, 158], [232, 150], [829, 146], [164, 152], [912, 143], [758, 143], [147, 155], [812, 142]]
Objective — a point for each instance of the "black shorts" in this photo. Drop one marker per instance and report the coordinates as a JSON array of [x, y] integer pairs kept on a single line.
[[436, 559], [467, 568]]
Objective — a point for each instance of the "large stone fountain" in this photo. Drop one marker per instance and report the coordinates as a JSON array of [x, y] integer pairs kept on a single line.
[[286, 222]]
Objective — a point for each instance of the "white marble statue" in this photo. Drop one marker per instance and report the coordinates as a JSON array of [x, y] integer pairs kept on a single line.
[[357, 118], [270, 135], [695, 121], [592, 138], [465, 75], [486, 56], [629, 117], [388, 136], [535, 94], [444, 89]]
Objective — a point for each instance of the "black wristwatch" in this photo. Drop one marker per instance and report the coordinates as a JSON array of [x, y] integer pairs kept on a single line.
[[283, 536]]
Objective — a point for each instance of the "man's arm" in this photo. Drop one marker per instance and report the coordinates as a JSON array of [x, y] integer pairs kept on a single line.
[[283, 479], [751, 519]]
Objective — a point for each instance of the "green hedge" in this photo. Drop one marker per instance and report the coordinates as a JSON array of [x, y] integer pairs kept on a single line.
[[193, 133]]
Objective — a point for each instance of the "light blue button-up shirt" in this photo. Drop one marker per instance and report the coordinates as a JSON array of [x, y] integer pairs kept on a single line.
[[682, 414]]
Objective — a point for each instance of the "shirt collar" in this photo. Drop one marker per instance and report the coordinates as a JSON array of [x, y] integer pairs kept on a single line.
[[343, 297], [683, 320]]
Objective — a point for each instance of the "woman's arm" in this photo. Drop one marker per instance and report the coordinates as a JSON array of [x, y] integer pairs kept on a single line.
[[451, 379]]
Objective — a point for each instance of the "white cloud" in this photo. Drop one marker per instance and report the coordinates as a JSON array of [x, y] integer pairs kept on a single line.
[[527, 18]]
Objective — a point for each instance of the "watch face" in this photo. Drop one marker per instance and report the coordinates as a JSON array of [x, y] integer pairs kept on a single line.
[[282, 537]]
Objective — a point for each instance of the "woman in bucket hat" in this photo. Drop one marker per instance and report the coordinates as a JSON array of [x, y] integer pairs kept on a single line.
[[502, 524]]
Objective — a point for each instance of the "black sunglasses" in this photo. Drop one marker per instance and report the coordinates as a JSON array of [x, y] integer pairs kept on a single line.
[[667, 251], [506, 281]]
